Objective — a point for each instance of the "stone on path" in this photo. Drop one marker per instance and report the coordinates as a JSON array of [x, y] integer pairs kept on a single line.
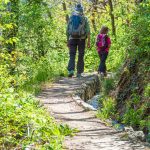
[[93, 134]]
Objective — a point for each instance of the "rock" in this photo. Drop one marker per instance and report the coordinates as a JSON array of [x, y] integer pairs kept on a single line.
[[135, 135], [130, 133], [128, 129], [76, 97], [139, 135], [89, 88], [85, 105], [132, 137], [88, 107]]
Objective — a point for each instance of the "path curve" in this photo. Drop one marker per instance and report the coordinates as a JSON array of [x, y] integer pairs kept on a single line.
[[93, 134]]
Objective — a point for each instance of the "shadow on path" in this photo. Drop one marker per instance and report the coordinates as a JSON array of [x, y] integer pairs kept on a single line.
[[93, 134]]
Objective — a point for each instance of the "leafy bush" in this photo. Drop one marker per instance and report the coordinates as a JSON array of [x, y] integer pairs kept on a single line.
[[134, 115], [107, 109], [147, 91], [108, 85], [24, 122]]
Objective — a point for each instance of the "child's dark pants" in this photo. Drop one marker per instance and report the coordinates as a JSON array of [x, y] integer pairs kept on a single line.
[[103, 57], [75, 44]]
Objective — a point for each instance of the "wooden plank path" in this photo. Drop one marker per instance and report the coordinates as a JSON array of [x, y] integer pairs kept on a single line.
[[93, 134]]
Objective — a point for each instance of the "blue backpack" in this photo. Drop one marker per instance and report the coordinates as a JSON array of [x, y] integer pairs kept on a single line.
[[77, 26]]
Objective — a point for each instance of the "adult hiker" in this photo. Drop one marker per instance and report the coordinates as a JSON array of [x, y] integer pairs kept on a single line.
[[78, 30], [103, 44]]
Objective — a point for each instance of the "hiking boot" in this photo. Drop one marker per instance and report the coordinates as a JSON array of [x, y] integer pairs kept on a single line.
[[70, 73], [105, 74], [101, 74], [79, 75]]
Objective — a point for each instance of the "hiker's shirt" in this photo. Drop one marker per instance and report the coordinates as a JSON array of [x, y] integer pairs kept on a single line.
[[86, 27]]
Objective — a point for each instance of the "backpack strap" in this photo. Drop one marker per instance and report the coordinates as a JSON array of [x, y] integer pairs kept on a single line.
[[106, 43], [98, 39]]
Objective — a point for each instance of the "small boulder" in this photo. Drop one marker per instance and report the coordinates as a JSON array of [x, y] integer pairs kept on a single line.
[[140, 135], [128, 129]]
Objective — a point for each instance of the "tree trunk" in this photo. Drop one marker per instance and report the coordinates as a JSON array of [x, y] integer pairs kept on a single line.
[[93, 15], [65, 10], [40, 46], [112, 17]]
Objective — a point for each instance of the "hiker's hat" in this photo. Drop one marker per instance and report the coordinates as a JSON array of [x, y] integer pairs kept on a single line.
[[79, 8]]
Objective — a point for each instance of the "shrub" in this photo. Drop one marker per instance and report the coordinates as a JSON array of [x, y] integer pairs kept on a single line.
[[107, 109], [24, 122], [108, 85]]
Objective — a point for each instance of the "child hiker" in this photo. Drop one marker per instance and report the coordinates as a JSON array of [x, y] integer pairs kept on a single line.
[[103, 44]]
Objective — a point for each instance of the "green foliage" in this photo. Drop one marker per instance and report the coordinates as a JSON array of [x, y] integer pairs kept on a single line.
[[108, 85], [134, 115], [23, 122], [34, 59], [139, 31], [137, 42], [33, 50], [66, 130], [147, 91], [46, 68], [108, 108]]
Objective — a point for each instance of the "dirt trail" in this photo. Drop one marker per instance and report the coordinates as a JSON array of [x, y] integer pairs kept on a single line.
[[93, 134]]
